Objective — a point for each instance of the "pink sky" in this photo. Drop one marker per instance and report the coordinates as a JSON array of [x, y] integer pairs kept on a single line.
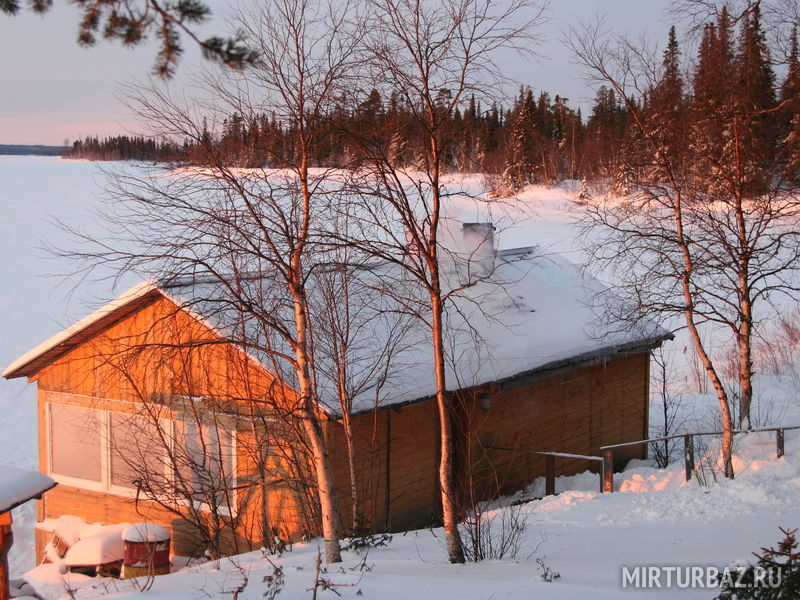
[[53, 90]]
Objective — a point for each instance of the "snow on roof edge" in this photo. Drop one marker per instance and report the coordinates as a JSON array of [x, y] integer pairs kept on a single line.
[[134, 293], [635, 346], [138, 291], [21, 485]]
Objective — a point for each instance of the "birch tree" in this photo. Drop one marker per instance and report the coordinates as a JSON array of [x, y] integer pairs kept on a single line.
[[708, 232], [250, 236], [434, 56]]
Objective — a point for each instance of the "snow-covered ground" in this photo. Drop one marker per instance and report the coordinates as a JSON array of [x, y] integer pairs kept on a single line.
[[585, 536]]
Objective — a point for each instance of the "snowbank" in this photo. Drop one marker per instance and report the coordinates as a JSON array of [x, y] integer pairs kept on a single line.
[[585, 536], [99, 545], [52, 581]]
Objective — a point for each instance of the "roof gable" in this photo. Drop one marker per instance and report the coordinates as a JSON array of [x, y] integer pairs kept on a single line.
[[59, 344]]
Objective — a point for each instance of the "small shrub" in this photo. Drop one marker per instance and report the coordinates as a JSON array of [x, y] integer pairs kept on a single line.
[[547, 574], [278, 545], [274, 583], [776, 576], [492, 535], [365, 542]]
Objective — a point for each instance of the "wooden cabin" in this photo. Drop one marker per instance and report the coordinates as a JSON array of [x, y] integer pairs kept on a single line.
[[148, 412]]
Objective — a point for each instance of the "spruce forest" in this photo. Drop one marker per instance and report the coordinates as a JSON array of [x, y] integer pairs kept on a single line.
[[539, 138]]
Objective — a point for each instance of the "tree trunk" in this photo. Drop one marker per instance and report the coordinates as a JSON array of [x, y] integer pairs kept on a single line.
[[455, 550], [327, 497], [360, 525], [745, 334], [322, 465], [745, 364], [708, 365]]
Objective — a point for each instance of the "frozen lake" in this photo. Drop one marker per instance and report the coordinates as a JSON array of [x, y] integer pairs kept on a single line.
[[34, 302]]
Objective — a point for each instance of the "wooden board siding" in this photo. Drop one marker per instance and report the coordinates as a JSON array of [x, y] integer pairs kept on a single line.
[[159, 349], [398, 451], [574, 411], [413, 467], [164, 355]]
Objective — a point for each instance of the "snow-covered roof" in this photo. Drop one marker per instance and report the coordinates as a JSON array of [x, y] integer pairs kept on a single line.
[[537, 314], [20, 485]]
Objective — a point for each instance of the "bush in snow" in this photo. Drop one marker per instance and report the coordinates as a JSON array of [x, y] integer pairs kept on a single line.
[[776, 576], [584, 194], [367, 541], [492, 534], [548, 575]]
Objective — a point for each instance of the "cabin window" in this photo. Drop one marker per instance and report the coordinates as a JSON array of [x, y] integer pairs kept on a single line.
[[136, 449], [109, 451], [204, 459], [75, 448]]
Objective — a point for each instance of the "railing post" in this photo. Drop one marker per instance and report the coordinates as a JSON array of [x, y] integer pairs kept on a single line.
[[608, 471], [779, 442], [688, 455], [549, 475]]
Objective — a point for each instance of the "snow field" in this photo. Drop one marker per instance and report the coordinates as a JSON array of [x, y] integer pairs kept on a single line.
[[585, 536]]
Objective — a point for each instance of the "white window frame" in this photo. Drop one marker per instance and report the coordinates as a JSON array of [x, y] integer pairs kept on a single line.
[[105, 485]]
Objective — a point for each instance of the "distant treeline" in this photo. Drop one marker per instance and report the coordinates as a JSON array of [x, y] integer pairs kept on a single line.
[[538, 138], [480, 137], [123, 147]]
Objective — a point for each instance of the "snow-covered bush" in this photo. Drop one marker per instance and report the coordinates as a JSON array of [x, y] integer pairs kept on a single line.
[[498, 186], [367, 541]]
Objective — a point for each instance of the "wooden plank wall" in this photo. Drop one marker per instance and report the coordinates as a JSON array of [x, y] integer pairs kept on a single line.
[[575, 410], [398, 452]]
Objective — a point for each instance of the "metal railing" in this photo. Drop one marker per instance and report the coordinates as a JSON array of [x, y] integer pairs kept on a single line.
[[550, 465], [607, 454]]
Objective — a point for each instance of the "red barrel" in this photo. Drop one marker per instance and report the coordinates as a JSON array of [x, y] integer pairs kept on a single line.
[[146, 550]]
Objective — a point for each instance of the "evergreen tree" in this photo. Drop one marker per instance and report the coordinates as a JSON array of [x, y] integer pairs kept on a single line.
[[755, 124], [714, 75], [790, 90], [605, 133], [790, 113], [712, 104], [755, 77], [522, 143], [665, 110]]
